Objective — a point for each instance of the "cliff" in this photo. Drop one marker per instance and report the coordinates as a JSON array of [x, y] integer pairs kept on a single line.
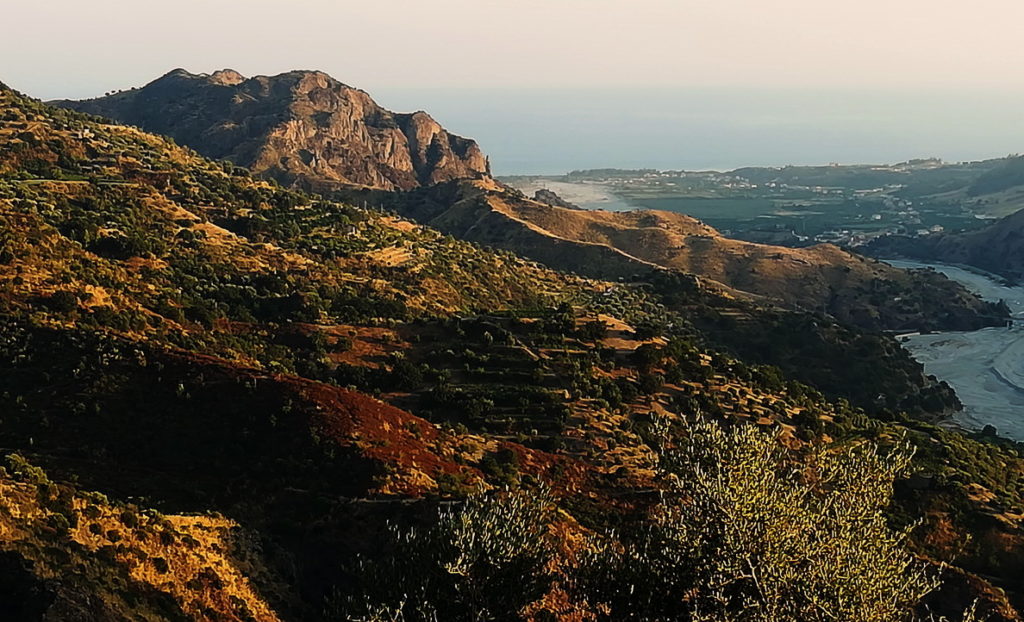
[[300, 126]]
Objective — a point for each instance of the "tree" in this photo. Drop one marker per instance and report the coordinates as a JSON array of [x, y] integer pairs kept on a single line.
[[748, 533], [405, 375], [650, 383], [648, 329], [62, 301], [593, 331], [486, 559], [647, 356], [745, 531]]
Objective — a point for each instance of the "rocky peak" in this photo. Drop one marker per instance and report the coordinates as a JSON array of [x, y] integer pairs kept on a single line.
[[300, 127], [223, 77], [175, 75], [309, 80], [227, 77]]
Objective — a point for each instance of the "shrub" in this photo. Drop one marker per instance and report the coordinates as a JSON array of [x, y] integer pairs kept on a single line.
[[486, 559], [747, 533], [62, 301]]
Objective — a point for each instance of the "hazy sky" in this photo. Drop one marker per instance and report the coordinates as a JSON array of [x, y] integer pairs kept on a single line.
[[77, 48]]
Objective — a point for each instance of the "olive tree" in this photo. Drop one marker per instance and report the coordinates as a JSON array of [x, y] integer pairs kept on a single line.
[[747, 531], [485, 559]]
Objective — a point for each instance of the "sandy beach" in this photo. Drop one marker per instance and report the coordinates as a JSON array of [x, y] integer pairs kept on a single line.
[[585, 195]]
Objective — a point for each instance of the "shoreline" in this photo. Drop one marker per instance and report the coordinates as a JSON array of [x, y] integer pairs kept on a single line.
[[589, 196]]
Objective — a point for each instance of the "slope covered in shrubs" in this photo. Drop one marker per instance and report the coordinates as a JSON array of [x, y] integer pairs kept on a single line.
[[407, 425]]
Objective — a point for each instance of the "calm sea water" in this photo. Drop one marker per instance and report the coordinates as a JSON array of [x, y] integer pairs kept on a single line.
[[551, 131]]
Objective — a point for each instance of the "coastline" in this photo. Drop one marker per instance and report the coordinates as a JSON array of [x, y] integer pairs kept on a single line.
[[591, 196]]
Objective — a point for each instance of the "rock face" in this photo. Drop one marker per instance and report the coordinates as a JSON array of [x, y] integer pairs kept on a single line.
[[551, 198], [299, 127]]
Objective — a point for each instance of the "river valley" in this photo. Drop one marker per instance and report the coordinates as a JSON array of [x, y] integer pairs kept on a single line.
[[985, 367]]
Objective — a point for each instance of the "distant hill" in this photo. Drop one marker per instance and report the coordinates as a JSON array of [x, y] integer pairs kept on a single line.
[[993, 187], [997, 248], [919, 177], [296, 125], [1008, 174], [856, 290]]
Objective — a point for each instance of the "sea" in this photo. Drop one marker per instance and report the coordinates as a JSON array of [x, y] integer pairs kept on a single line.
[[550, 131]]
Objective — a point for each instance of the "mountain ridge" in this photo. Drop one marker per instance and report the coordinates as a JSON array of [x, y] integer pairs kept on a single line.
[[295, 125], [177, 331], [614, 245]]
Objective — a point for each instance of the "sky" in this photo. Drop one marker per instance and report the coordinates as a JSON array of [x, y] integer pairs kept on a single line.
[[551, 85], [76, 48], [556, 130]]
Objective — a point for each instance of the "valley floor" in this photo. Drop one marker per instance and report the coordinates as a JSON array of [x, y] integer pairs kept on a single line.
[[985, 367]]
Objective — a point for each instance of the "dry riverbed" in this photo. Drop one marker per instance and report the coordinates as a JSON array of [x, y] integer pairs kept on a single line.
[[985, 367]]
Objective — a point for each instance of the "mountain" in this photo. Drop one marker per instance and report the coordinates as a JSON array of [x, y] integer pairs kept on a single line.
[[223, 399], [308, 129], [613, 245], [300, 125]]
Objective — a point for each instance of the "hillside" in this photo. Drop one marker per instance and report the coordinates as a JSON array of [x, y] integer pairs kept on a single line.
[[72, 555], [997, 248], [855, 290], [329, 128], [253, 403], [297, 125]]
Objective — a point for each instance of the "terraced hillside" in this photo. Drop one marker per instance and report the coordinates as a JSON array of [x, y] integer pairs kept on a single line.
[[855, 290], [303, 410]]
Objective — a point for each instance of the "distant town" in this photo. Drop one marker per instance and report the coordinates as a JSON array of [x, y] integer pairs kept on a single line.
[[847, 205]]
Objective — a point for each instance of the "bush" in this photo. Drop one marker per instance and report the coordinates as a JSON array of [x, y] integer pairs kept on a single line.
[[484, 560], [62, 301], [748, 534]]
